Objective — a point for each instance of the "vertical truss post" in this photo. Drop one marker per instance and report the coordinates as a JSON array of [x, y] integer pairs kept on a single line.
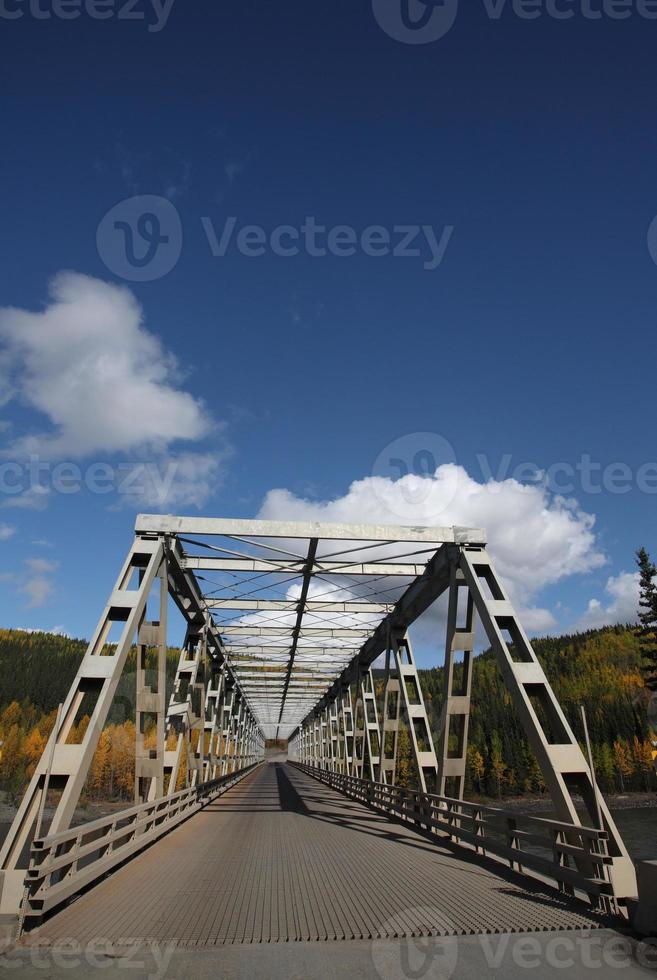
[[455, 717], [213, 719], [328, 744], [418, 722], [369, 762], [317, 741], [359, 736], [389, 721], [551, 738], [241, 735], [312, 741], [323, 746], [185, 719], [246, 753], [307, 744], [238, 725], [337, 735], [197, 716], [334, 743], [233, 725], [150, 705], [346, 728], [226, 726]]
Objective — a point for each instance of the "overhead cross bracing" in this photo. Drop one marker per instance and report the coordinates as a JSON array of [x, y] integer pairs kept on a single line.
[[295, 603]]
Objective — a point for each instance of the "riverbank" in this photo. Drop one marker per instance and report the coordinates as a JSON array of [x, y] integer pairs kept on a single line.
[[539, 804], [525, 804], [83, 814]]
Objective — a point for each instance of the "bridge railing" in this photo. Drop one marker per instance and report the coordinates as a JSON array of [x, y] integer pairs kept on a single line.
[[573, 857], [63, 864]]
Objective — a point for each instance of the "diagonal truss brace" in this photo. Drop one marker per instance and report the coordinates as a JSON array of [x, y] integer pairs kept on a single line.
[[97, 679], [65, 764]]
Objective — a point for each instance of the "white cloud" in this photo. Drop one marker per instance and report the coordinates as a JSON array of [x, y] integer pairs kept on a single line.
[[6, 532], [103, 381], [35, 582], [37, 588], [55, 631], [185, 479], [621, 606], [107, 386], [35, 498], [535, 538], [41, 566]]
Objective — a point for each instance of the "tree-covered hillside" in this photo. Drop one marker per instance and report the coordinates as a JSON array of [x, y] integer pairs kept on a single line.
[[36, 672], [600, 669]]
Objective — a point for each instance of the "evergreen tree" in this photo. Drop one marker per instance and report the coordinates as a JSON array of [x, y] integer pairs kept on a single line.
[[648, 617]]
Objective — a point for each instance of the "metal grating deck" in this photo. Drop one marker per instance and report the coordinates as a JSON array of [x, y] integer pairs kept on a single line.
[[281, 858]]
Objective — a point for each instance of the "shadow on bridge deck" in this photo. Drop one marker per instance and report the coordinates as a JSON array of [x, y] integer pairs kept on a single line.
[[281, 857]]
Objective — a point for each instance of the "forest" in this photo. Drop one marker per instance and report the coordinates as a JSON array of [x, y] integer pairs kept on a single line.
[[600, 669]]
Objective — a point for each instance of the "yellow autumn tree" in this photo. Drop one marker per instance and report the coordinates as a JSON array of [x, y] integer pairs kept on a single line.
[[33, 748], [642, 752], [10, 716], [123, 759], [98, 780], [11, 768], [623, 763]]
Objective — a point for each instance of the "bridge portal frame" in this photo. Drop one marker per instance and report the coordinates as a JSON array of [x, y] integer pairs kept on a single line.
[[290, 664]]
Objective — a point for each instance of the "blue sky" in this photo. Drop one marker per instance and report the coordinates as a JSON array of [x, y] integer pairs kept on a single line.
[[527, 147]]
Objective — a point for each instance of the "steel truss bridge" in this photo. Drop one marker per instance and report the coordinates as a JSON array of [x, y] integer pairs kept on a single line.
[[285, 623]]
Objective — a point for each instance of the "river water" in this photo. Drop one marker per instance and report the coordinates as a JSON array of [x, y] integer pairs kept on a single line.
[[638, 828]]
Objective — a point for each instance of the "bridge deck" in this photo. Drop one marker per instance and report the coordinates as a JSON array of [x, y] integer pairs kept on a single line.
[[282, 857]]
